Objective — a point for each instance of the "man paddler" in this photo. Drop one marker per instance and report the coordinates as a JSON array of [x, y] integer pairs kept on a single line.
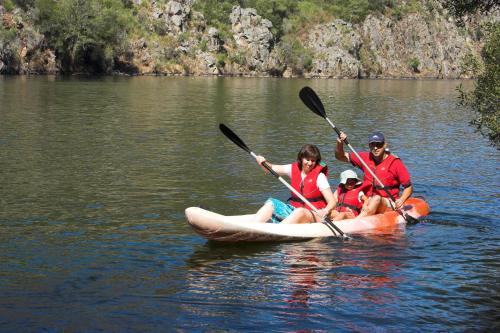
[[389, 169]]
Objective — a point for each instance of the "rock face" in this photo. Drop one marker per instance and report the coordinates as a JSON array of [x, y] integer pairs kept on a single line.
[[24, 52], [174, 15], [416, 45], [335, 49], [253, 37]]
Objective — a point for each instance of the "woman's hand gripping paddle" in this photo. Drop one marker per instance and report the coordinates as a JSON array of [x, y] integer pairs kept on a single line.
[[312, 101], [237, 141]]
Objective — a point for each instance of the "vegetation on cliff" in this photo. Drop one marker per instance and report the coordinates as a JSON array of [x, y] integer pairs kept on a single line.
[[139, 36]]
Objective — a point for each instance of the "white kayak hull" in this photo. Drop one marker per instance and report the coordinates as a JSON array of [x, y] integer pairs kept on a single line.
[[244, 228]]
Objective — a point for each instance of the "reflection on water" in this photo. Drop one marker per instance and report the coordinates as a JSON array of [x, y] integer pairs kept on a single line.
[[96, 174], [306, 276]]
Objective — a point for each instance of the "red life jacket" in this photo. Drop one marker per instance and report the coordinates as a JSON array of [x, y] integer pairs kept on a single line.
[[307, 187], [383, 172], [349, 199]]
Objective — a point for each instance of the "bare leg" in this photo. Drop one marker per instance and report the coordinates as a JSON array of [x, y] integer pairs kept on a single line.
[[265, 213], [383, 206], [300, 215], [340, 216], [333, 214], [371, 206]]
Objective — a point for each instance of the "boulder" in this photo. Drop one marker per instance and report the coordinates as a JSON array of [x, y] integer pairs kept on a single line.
[[174, 15]]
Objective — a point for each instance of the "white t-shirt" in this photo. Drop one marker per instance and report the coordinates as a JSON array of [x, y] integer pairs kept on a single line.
[[322, 182]]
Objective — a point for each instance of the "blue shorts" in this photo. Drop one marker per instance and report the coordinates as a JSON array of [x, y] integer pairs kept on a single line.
[[281, 210]]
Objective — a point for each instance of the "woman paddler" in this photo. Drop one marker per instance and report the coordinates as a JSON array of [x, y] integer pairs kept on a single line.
[[308, 176]]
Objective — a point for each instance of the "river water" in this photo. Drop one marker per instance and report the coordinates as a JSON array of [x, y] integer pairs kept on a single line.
[[95, 175]]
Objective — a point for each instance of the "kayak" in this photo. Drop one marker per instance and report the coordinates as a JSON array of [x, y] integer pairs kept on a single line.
[[244, 228]]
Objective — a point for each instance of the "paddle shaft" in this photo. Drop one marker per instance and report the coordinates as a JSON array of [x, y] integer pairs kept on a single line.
[[297, 193]]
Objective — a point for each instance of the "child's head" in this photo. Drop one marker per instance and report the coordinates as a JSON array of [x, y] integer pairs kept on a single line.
[[349, 179]]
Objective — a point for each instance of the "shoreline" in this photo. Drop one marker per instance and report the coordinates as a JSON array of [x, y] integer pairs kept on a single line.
[[238, 76]]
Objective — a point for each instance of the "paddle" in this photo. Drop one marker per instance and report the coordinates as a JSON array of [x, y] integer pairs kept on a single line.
[[236, 140], [312, 101]]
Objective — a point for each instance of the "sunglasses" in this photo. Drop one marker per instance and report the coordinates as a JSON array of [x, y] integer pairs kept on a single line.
[[351, 181], [376, 144]]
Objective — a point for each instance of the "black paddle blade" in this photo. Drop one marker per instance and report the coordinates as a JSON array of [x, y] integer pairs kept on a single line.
[[312, 101], [410, 219], [233, 137]]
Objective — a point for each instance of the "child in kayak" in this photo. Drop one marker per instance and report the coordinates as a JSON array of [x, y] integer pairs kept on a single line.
[[308, 175], [349, 197]]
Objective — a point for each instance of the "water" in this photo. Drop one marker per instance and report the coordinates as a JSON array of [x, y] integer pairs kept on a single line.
[[95, 175]]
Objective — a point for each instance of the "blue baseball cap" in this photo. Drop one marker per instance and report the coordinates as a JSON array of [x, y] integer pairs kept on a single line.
[[376, 137]]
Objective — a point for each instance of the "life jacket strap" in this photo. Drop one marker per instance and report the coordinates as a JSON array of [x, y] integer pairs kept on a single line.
[[390, 187], [349, 206], [297, 199]]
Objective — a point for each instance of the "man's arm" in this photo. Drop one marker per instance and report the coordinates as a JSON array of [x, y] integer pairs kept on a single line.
[[405, 180], [340, 154], [405, 195]]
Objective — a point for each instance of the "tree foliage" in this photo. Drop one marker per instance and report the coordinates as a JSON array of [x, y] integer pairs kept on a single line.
[[484, 100], [459, 8], [86, 34]]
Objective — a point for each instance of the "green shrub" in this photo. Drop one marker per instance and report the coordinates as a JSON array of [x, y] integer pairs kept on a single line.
[[24, 4], [307, 62], [296, 56], [470, 65], [203, 45], [237, 58], [7, 35], [7, 4], [414, 63], [221, 60]]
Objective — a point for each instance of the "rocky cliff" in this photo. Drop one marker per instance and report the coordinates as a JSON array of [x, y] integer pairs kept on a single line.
[[416, 45]]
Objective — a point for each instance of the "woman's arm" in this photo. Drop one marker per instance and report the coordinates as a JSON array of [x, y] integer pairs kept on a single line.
[[279, 169], [330, 198]]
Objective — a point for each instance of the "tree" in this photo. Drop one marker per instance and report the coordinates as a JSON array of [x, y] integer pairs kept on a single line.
[[484, 100], [86, 34]]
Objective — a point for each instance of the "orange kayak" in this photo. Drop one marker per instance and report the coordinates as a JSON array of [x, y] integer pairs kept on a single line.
[[243, 228]]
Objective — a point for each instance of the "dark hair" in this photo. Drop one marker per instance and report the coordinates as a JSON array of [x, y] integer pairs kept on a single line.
[[309, 152]]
